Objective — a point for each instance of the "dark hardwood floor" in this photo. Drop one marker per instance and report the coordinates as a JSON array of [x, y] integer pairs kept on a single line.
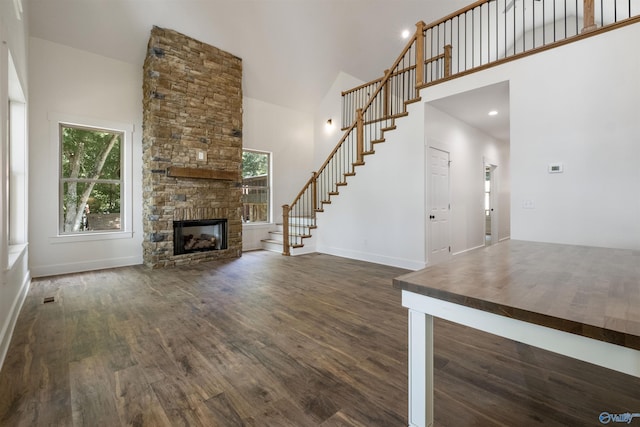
[[267, 340]]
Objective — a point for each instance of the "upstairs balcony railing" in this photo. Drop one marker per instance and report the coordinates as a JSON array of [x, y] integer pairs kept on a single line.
[[484, 34], [487, 33]]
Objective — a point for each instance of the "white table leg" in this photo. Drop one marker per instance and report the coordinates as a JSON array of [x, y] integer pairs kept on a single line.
[[420, 369]]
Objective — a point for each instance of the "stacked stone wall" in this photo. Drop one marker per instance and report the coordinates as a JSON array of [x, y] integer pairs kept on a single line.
[[192, 118]]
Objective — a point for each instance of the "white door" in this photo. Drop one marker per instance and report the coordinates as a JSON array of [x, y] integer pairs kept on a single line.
[[438, 207]]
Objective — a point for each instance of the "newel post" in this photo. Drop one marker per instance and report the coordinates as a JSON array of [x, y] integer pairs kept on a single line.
[[589, 20], [387, 98], [285, 230], [420, 53], [360, 136], [314, 191], [447, 60]]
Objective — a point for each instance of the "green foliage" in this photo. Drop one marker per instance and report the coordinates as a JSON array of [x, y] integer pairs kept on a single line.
[[254, 164], [89, 144], [90, 173]]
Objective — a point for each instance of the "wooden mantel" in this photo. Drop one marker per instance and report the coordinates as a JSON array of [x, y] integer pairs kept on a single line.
[[198, 173]]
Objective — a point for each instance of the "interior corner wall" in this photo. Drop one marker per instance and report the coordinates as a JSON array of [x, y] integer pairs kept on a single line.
[[288, 135], [69, 81], [327, 137]]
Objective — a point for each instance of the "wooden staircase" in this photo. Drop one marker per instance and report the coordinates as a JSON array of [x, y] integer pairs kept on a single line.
[[300, 228], [436, 53]]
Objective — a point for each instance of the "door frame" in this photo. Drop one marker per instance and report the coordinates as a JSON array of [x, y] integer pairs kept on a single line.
[[428, 260], [492, 165]]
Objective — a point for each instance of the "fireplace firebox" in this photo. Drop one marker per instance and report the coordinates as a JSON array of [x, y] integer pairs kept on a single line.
[[199, 236]]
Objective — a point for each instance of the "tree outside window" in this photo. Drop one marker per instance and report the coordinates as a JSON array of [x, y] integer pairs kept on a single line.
[[256, 193], [91, 180]]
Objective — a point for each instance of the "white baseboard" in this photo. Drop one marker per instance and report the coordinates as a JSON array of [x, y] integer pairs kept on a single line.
[[10, 322], [375, 258], [468, 250], [77, 267]]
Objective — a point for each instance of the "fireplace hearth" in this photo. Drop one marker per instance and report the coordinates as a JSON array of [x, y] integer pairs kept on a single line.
[[199, 236]]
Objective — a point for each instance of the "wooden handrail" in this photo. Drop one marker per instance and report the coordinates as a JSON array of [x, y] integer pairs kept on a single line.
[[457, 13], [304, 188], [337, 147], [387, 75], [362, 86]]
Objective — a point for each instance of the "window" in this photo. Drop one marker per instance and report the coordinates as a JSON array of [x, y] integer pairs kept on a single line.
[[256, 191], [16, 162], [91, 182]]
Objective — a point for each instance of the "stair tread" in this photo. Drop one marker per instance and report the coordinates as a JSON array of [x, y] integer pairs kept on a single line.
[[280, 233], [271, 241]]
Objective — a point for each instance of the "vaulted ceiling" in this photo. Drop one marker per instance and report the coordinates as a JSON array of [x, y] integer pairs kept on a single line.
[[292, 50]]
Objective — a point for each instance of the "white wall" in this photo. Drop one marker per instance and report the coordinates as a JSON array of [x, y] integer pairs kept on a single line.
[[587, 117], [15, 277], [288, 135], [72, 82], [468, 150]]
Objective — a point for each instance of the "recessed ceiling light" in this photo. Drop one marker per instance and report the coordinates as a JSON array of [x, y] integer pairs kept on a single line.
[[493, 113], [405, 34]]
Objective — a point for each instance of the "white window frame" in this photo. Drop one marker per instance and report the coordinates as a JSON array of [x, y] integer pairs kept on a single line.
[[126, 205], [14, 154], [270, 188]]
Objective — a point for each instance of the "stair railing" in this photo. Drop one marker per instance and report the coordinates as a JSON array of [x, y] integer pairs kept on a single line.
[[387, 101], [490, 32]]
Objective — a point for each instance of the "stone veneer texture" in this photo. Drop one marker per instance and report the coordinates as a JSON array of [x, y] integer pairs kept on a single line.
[[192, 103]]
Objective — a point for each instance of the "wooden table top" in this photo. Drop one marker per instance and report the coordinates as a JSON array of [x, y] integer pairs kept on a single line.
[[589, 291]]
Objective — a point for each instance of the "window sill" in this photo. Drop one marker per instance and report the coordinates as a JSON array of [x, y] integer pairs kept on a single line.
[[90, 237], [15, 252]]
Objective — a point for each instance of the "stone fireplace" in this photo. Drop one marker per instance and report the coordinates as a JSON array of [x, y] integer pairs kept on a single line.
[[192, 151]]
